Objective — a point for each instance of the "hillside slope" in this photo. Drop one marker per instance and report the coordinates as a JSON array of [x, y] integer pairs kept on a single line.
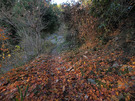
[[73, 76]]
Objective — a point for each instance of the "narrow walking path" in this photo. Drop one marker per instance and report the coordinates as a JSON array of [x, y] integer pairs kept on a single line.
[[57, 40]]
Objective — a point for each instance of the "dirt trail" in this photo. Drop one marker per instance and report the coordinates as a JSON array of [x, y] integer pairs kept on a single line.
[[57, 40]]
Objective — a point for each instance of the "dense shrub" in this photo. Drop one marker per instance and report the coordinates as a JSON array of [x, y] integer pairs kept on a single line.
[[50, 16], [23, 12], [110, 13], [26, 22], [7, 4], [79, 22], [96, 20]]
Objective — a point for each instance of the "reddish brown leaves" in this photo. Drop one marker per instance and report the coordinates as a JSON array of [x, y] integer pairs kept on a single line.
[[59, 78]]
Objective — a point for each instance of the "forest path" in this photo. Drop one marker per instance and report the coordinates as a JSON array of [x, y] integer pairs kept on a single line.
[[57, 40]]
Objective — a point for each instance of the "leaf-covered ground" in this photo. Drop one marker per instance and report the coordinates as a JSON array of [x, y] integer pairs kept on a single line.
[[74, 76]]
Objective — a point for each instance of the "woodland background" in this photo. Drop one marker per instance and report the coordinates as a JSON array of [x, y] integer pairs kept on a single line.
[[80, 51]]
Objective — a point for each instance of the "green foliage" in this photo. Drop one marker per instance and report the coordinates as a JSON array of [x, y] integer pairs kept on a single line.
[[50, 17], [25, 5], [22, 97], [49, 14], [7, 4], [110, 13]]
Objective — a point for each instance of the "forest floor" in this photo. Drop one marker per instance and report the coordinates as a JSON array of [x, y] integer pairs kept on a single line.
[[72, 76]]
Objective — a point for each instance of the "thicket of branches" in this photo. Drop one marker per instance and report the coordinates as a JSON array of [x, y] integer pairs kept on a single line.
[[26, 23], [96, 20]]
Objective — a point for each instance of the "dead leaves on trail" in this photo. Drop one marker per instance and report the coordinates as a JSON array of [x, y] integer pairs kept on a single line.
[[82, 77]]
